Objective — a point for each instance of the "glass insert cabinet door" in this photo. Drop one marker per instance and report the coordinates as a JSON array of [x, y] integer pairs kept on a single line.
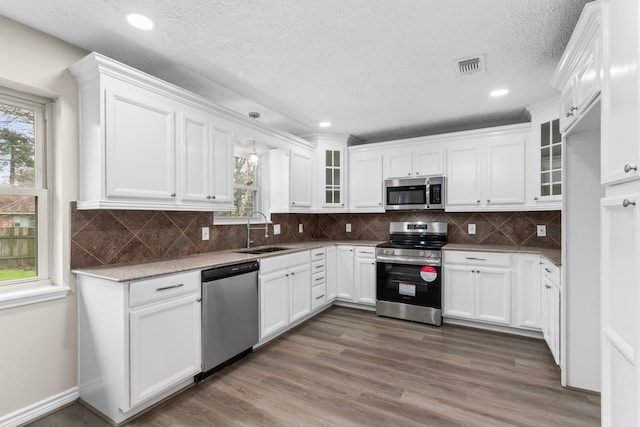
[[550, 159], [333, 178]]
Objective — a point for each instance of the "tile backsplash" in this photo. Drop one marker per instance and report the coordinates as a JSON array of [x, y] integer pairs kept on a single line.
[[102, 237]]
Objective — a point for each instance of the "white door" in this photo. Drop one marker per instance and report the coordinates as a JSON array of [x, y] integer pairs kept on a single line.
[[493, 295], [300, 179], [159, 361], [274, 302], [365, 280], [397, 164], [300, 291], [196, 157], [620, 91], [222, 164], [463, 175], [331, 273], [365, 180], [620, 307], [505, 172], [428, 161], [459, 291], [345, 273], [529, 291], [140, 145]]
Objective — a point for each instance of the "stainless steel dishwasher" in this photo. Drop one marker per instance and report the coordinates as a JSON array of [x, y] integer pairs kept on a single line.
[[229, 315]]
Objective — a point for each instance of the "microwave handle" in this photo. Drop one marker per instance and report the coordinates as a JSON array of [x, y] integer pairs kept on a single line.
[[428, 195]]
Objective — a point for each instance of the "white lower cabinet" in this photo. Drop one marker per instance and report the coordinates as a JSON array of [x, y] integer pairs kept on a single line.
[[529, 289], [285, 291], [344, 273], [356, 274], [365, 276], [477, 286], [551, 318], [124, 328], [331, 272], [172, 329]]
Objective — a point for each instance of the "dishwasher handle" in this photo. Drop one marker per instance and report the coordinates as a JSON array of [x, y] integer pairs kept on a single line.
[[229, 271]]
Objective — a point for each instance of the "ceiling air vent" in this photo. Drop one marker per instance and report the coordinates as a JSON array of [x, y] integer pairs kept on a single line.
[[471, 65]]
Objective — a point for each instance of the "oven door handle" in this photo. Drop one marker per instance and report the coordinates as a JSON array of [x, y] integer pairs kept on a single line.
[[407, 260]]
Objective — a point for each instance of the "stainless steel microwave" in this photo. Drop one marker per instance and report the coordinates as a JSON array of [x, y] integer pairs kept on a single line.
[[417, 193]]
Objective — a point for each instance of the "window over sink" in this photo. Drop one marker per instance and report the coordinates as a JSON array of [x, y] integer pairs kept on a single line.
[[245, 191]]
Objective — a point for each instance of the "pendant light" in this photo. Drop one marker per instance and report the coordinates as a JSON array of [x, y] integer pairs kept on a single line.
[[253, 155]]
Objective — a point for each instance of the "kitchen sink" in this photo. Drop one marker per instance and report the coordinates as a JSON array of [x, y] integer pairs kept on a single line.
[[264, 250]]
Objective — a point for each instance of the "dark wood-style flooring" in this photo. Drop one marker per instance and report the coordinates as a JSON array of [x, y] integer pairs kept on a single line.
[[347, 367]]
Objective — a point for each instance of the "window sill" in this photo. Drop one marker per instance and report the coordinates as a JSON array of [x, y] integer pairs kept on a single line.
[[238, 221], [19, 297]]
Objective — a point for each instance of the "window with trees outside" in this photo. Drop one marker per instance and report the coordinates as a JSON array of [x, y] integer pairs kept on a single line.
[[24, 200], [245, 189]]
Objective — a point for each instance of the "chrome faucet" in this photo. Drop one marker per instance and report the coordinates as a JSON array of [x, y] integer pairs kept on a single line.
[[249, 228]]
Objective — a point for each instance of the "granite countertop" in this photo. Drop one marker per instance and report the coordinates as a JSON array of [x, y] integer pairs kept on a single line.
[[143, 270], [552, 255]]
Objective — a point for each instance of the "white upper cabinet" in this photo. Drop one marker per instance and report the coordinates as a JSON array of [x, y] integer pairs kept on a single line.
[[621, 100], [290, 176], [407, 159], [205, 159], [140, 144], [578, 75], [300, 179], [147, 144], [365, 181], [486, 171]]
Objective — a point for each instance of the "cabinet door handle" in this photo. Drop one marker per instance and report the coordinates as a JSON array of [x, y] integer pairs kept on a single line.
[[373, 263], [626, 203], [547, 270], [321, 296], [319, 279], [573, 108], [170, 287], [629, 168], [286, 275], [293, 273], [293, 203], [199, 299], [477, 201], [379, 203], [476, 259], [173, 194], [547, 286], [535, 198], [488, 200], [213, 197]]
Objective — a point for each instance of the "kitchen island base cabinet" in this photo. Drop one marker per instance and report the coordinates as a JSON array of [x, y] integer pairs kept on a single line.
[[124, 327]]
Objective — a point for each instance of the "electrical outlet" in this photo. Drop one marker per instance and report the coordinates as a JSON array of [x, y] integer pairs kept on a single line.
[[300, 228], [541, 230], [348, 228], [205, 233], [276, 229], [471, 228]]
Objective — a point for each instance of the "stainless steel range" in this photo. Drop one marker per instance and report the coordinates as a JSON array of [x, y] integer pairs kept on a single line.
[[409, 272]]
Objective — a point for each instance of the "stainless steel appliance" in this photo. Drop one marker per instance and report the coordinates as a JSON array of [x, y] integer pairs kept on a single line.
[[409, 272], [417, 193], [230, 326]]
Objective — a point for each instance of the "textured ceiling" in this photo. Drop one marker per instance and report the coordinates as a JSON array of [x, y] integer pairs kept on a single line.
[[377, 69]]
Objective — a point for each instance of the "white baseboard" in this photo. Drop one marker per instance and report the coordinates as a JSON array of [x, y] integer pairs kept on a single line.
[[39, 409]]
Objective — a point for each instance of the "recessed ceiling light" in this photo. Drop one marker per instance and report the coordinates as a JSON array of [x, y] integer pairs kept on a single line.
[[140, 22], [499, 92], [324, 124]]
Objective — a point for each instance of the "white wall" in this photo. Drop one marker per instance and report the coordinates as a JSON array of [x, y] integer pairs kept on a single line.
[[38, 341]]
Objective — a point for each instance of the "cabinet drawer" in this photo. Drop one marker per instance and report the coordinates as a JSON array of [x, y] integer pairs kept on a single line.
[[318, 296], [282, 262], [318, 279], [494, 259], [317, 254], [158, 288], [365, 252], [318, 266], [551, 272]]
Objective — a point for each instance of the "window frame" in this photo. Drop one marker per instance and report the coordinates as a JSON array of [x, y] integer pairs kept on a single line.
[[257, 201], [38, 288]]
